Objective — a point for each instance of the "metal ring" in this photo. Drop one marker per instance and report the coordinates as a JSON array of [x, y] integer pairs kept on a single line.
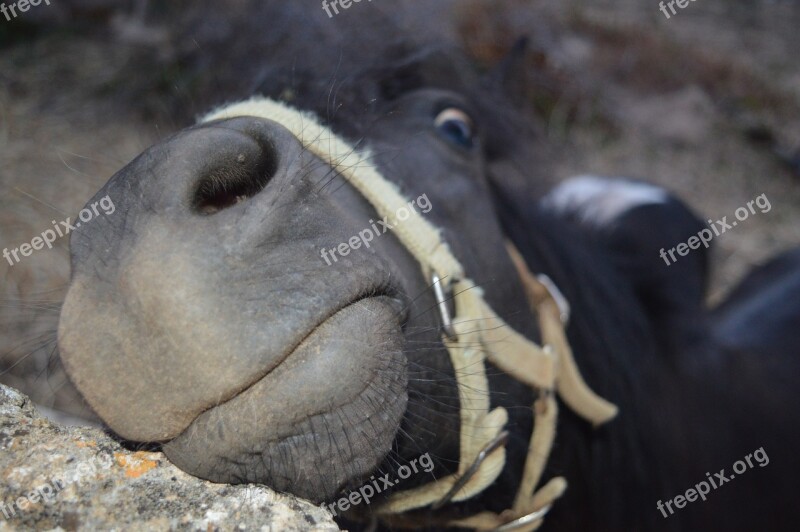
[[500, 440], [524, 520]]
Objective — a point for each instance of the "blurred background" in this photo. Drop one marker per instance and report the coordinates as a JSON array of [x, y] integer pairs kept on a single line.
[[706, 104]]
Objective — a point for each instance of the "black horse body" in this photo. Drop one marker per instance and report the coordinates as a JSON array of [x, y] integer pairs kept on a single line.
[[689, 407]]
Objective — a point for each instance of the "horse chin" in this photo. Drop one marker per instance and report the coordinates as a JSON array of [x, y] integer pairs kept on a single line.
[[321, 420]]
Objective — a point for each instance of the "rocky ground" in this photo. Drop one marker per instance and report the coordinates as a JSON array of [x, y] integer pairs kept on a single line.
[[58, 478]]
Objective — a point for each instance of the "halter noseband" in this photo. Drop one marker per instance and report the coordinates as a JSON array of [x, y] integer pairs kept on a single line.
[[474, 335]]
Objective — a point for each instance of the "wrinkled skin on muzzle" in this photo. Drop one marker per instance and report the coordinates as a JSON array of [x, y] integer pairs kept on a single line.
[[201, 314], [224, 332]]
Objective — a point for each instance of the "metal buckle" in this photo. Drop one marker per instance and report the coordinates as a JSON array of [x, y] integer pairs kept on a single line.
[[444, 311], [561, 301]]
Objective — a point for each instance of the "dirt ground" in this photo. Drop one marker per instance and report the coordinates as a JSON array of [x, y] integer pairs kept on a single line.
[[706, 103]]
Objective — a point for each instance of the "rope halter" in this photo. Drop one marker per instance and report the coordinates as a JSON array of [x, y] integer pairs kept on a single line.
[[474, 335]]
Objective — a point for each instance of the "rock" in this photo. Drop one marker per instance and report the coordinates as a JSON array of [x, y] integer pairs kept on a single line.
[[70, 478]]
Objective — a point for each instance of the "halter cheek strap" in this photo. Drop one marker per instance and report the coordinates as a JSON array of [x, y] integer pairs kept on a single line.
[[475, 335]]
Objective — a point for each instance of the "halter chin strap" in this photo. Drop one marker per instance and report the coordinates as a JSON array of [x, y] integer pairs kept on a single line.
[[475, 335]]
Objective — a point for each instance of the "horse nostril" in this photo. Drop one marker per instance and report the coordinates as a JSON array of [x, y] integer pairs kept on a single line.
[[235, 176]]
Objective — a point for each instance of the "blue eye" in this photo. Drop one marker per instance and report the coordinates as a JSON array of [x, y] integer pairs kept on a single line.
[[456, 126]]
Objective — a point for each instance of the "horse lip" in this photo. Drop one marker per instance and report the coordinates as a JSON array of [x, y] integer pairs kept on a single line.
[[227, 443], [386, 294], [177, 412]]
